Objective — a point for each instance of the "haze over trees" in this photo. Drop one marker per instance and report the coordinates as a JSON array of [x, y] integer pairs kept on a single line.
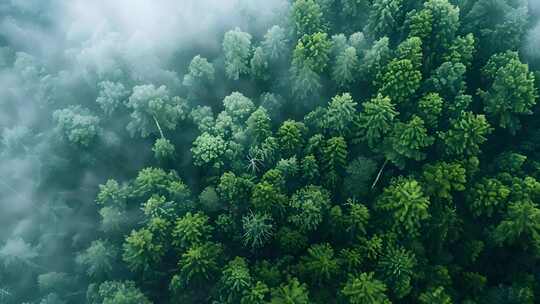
[[302, 151]]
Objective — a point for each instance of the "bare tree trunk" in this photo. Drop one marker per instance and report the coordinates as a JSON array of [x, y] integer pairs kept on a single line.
[[379, 174], [158, 126]]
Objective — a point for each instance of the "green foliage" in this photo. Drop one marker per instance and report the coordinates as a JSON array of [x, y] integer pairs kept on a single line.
[[293, 292], [237, 51], [111, 96], [360, 172], [305, 81], [198, 265], [267, 198], [320, 265], [274, 44], [152, 181], [462, 50], [201, 74], [437, 24], [511, 92], [233, 189], [411, 49], [259, 125], [113, 220], [365, 289], [375, 59], [442, 178], [208, 150], [510, 162], [345, 68], [203, 117], [163, 149], [116, 292], [487, 197], [448, 80], [334, 158], [520, 224], [289, 167], [238, 107], [509, 294], [308, 206], [430, 109], [307, 17], [53, 281], [154, 111], [259, 65], [291, 240], [290, 136], [408, 207], [399, 81], [257, 229], [142, 250], [303, 196], [99, 259], [396, 267], [310, 168], [407, 141], [435, 296], [466, 134], [340, 115], [312, 51], [499, 25], [376, 120], [235, 280], [77, 125], [191, 229], [209, 200], [357, 218], [258, 294], [111, 193], [384, 17]]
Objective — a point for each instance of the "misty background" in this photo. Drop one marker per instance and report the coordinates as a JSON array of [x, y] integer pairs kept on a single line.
[[54, 54]]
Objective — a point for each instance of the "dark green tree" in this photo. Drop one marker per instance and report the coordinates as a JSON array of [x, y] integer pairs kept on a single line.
[[308, 206], [293, 292], [237, 51], [466, 134], [511, 91], [408, 207], [376, 120], [320, 265], [235, 280], [365, 289], [199, 265], [191, 229], [307, 17], [396, 266], [257, 229]]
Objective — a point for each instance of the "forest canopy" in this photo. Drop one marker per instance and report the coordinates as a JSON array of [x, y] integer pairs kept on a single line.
[[287, 152]]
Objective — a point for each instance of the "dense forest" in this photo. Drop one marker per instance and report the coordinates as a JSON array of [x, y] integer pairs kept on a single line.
[[270, 152]]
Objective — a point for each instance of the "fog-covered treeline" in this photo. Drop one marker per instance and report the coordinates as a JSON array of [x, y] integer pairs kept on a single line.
[[237, 151]]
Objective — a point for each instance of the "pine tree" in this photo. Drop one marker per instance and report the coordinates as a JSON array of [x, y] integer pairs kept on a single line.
[[365, 289], [408, 206], [376, 120]]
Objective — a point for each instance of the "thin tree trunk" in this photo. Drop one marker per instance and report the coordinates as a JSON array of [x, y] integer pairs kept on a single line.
[[158, 126], [379, 174]]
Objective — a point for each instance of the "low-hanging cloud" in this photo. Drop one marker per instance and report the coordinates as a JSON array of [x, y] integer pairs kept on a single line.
[[532, 42], [53, 54]]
